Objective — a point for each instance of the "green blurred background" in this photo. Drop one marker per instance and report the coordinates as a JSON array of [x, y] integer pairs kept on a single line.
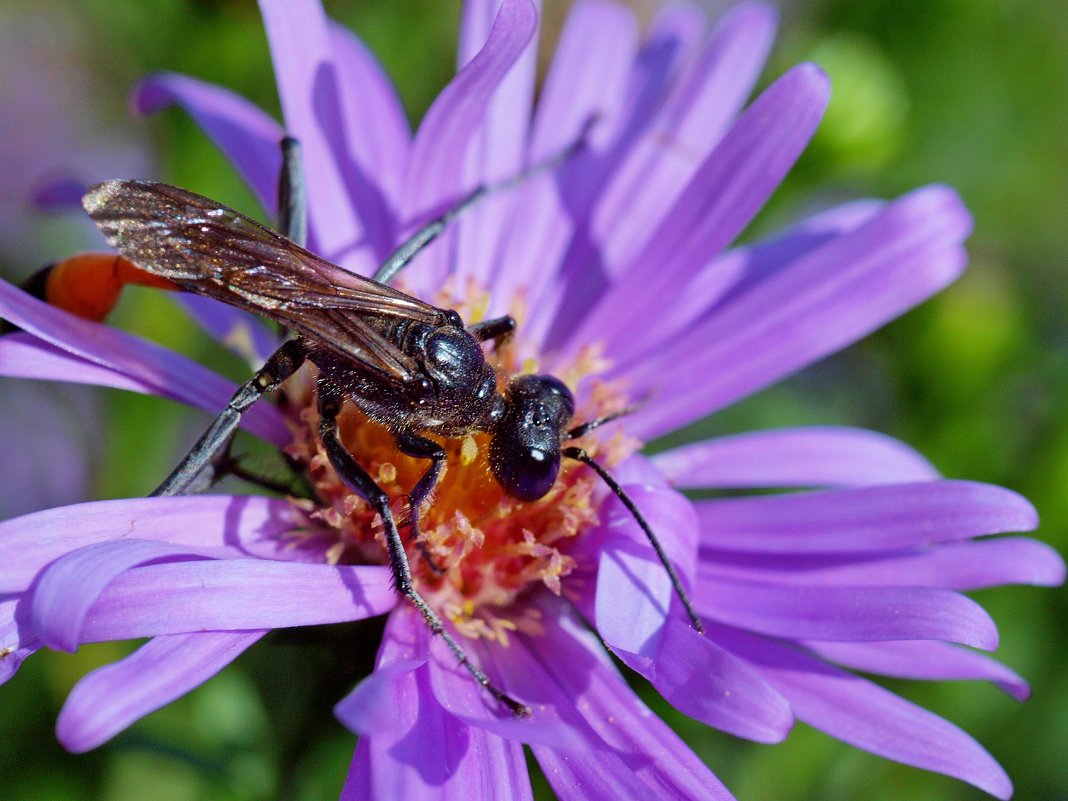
[[967, 92]]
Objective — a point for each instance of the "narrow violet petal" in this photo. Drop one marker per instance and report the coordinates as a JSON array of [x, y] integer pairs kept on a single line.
[[372, 707], [23, 355], [795, 457], [629, 753], [692, 673], [114, 697], [370, 139], [308, 87], [379, 134], [236, 329], [739, 268], [710, 684], [67, 588], [231, 525], [235, 595], [413, 749], [725, 192], [435, 169], [17, 638], [469, 703], [654, 172], [666, 52], [246, 135], [922, 659], [586, 81], [498, 148], [634, 592], [969, 565], [851, 614], [867, 716], [826, 300], [863, 519], [162, 371]]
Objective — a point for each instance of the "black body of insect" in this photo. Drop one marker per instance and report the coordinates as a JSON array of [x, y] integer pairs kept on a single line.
[[408, 365]]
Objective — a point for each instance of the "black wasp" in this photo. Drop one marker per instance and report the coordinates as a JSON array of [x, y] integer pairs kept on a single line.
[[412, 367]]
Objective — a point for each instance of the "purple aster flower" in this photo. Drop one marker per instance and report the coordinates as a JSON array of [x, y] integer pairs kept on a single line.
[[618, 266]]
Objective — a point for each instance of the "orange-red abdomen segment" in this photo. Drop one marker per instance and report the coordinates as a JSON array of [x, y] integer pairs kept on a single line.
[[89, 284]]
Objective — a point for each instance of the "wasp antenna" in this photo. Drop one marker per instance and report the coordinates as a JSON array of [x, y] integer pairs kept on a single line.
[[579, 455], [582, 429]]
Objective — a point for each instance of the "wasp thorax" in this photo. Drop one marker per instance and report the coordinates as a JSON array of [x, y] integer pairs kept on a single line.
[[525, 452]]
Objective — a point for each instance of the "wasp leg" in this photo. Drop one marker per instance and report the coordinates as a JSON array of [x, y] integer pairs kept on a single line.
[[357, 479], [399, 259], [214, 442], [292, 198], [421, 448], [497, 328]]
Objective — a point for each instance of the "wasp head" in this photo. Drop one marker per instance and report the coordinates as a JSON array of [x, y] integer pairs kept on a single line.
[[525, 451]]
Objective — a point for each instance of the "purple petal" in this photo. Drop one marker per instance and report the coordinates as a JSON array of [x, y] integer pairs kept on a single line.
[[868, 716], [634, 592], [795, 457], [68, 587], [663, 56], [740, 268], [161, 371], [586, 80], [654, 172], [372, 706], [629, 753], [922, 659], [698, 677], [852, 614], [247, 136], [114, 697], [230, 525], [863, 519], [436, 168], [955, 566], [308, 87], [23, 355], [379, 135], [725, 192], [466, 701], [235, 595], [17, 639], [498, 148], [410, 747], [826, 300]]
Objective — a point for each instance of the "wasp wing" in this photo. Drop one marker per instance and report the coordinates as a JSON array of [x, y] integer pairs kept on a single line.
[[212, 250]]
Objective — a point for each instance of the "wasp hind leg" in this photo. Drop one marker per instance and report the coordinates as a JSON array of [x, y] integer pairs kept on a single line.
[[358, 480], [214, 443]]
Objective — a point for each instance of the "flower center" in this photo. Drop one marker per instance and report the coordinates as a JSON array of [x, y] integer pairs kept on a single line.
[[478, 550]]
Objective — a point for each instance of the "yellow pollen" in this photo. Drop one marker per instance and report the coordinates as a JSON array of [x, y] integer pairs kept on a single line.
[[468, 451]]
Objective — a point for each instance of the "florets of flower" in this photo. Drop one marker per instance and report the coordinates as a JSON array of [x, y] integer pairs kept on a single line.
[[625, 248]]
